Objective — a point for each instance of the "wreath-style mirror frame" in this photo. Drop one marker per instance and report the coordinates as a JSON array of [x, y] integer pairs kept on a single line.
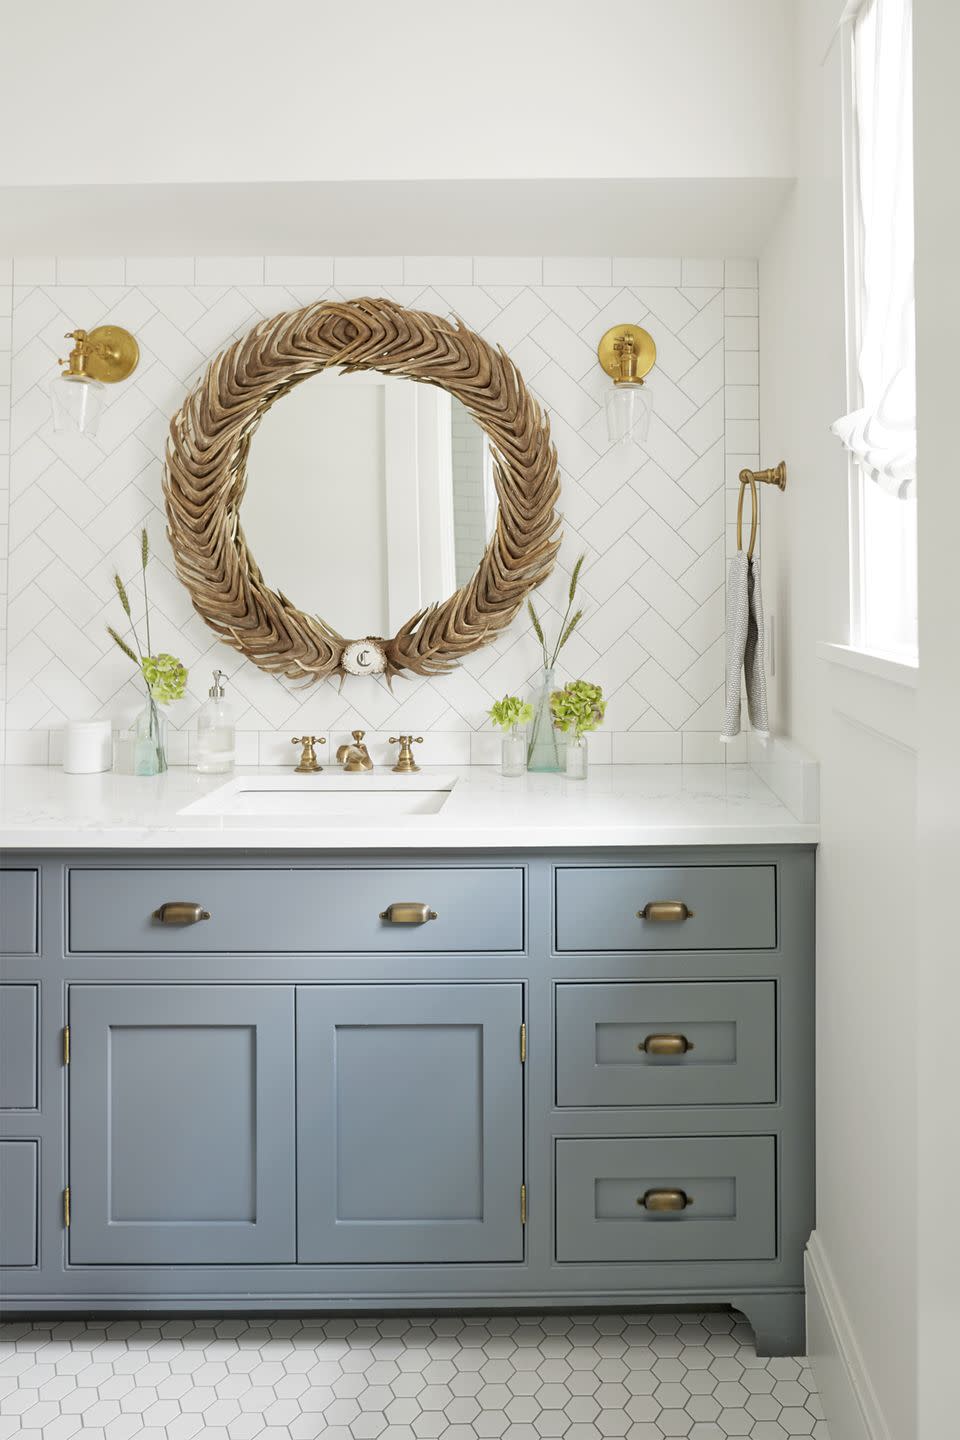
[[205, 479]]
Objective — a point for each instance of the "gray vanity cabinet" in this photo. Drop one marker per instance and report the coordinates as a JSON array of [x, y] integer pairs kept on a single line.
[[181, 1124], [327, 1081], [409, 1123]]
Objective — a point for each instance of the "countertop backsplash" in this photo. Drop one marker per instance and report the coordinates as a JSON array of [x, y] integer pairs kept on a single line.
[[656, 524]]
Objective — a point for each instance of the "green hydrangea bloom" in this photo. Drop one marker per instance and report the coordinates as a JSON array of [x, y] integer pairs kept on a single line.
[[165, 677], [578, 707], [511, 711]]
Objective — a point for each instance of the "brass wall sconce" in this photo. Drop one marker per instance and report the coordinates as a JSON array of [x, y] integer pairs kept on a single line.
[[99, 357], [775, 476], [627, 354]]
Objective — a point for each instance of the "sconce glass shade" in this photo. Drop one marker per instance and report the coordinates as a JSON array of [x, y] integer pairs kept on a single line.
[[628, 409], [77, 403]]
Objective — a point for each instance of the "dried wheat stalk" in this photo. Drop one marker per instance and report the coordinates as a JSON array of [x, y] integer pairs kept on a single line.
[[206, 475]]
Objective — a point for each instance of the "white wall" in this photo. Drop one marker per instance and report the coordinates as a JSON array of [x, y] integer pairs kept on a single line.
[[301, 90], [936, 46], [863, 730]]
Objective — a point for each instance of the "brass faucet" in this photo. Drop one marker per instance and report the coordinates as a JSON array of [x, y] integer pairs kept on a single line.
[[309, 764], [406, 765], [356, 757]]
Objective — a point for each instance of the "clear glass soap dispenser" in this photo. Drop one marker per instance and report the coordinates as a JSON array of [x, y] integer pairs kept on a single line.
[[216, 731]]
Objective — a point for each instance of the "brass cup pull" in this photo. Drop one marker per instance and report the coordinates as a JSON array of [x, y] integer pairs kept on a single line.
[[665, 910], [407, 912], [665, 1045], [665, 1202], [180, 912]]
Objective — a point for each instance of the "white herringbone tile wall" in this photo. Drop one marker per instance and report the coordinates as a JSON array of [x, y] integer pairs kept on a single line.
[[655, 524]]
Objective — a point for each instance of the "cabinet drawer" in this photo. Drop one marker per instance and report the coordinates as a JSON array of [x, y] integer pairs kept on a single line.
[[18, 1202], [18, 912], [321, 910], [705, 907], [639, 1043], [728, 1180], [18, 1047]]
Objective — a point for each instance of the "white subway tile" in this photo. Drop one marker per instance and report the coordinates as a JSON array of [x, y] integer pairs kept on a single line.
[[702, 748], [647, 272], [35, 270], [742, 435], [27, 747], [741, 332], [229, 270], [741, 402], [89, 270], [653, 747], [740, 273], [742, 367], [298, 270], [740, 302], [573, 270], [438, 269], [367, 270], [509, 270], [702, 272], [484, 748], [160, 270]]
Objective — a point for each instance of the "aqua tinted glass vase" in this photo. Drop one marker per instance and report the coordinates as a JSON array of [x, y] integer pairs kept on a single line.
[[544, 753]]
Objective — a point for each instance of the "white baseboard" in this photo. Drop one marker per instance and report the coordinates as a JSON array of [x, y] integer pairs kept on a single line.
[[849, 1399]]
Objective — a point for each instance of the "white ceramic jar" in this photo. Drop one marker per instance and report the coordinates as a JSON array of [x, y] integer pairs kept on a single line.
[[87, 747]]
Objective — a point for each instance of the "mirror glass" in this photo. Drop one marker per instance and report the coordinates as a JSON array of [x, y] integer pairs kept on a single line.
[[367, 497]]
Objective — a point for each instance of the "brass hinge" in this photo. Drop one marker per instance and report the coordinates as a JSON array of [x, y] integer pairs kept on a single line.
[[66, 1208], [66, 1044], [523, 1204], [523, 1044]]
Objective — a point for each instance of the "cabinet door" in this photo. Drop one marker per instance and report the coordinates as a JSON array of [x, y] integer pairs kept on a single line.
[[410, 1123], [181, 1124]]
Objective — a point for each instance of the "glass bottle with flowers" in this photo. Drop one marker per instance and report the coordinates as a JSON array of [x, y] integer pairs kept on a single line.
[[512, 715], [543, 750], [577, 709], [164, 677]]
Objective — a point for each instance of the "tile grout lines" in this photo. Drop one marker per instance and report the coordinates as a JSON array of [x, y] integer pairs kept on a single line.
[[654, 525], [643, 1376]]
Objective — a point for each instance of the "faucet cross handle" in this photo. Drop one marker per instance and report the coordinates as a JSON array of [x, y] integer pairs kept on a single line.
[[309, 765], [406, 765]]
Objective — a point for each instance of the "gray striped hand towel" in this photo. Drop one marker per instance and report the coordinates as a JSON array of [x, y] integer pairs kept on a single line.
[[745, 649]]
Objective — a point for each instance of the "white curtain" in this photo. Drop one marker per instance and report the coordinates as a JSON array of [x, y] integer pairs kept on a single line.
[[882, 434]]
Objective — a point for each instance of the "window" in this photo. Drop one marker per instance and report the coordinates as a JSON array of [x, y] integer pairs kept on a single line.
[[880, 429]]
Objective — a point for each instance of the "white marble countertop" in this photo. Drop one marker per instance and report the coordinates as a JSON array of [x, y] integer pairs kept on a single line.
[[41, 808]]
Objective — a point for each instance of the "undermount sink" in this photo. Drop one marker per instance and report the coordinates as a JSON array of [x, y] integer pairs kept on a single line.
[[327, 796]]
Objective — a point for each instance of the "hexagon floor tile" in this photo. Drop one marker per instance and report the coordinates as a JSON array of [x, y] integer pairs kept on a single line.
[[638, 1376]]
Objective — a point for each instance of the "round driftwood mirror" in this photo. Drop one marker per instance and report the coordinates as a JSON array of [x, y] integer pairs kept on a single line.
[[207, 473]]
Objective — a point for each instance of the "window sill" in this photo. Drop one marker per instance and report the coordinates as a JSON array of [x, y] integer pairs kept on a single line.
[[882, 667]]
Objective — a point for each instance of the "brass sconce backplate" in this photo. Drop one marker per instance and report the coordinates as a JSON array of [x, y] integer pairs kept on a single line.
[[110, 353], [610, 351]]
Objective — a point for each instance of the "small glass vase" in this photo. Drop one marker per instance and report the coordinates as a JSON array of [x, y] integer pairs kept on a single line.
[[150, 749], [575, 757], [543, 745], [513, 752]]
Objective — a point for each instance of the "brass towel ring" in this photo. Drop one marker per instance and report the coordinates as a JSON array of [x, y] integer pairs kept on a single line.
[[777, 476]]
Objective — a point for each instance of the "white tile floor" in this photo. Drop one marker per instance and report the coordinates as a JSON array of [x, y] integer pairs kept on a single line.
[[527, 1377]]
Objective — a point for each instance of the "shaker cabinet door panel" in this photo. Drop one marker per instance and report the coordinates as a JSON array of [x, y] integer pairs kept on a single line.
[[181, 1124], [19, 1193], [410, 1123]]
